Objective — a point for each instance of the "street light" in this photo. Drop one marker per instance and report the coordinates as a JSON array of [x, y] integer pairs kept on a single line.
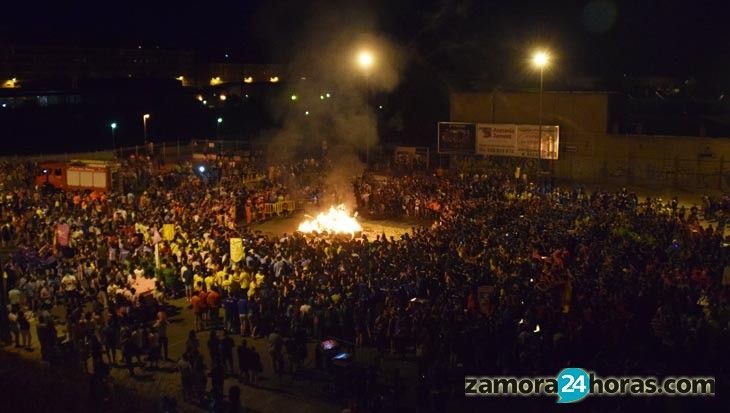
[[218, 127], [145, 118], [365, 59], [540, 60], [113, 125]]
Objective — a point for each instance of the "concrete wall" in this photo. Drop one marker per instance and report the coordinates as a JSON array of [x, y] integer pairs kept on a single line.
[[686, 162], [575, 112], [588, 153]]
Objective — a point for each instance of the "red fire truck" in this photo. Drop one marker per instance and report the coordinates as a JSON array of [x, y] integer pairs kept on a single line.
[[76, 175]]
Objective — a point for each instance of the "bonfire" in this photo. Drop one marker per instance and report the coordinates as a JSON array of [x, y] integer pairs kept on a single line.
[[335, 221]]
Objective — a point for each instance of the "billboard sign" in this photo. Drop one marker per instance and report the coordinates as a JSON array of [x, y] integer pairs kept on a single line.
[[456, 138], [530, 138], [496, 139], [499, 139]]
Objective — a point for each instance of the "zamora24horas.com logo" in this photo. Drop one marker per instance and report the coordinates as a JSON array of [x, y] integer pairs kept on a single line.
[[574, 384]]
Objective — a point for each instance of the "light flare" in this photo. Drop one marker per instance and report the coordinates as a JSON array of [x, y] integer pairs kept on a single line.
[[337, 220]]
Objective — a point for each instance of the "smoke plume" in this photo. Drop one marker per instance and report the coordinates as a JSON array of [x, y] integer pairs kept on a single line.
[[328, 99]]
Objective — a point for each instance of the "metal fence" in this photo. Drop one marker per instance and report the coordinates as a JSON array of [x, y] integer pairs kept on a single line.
[[167, 152], [679, 173]]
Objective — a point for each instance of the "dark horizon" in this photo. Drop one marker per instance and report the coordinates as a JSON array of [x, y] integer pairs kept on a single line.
[[461, 39], [670, 60]]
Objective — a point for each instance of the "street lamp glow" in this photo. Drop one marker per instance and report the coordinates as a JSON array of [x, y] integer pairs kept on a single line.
[[540, 59], [365, 59], [145, 118], [220, 120], [113, 125], [293, 97], [248, 79], [327, 95], [222, 97], [201, 169]]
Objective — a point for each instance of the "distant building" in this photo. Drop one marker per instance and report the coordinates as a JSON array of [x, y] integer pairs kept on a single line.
[[613, 138], [65, 67]]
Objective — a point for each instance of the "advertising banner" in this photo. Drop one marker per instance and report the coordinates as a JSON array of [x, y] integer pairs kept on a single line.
[[530, 137], [168, 232], [496, 139], [456, 138], [236, 249], [499, 139]]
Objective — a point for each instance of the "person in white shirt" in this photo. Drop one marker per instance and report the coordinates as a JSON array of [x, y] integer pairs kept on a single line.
[[70, 283], [70, 287], [14, 297], [111, 290]]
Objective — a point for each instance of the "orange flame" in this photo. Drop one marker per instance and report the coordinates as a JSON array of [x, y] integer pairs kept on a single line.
[[337, 220]]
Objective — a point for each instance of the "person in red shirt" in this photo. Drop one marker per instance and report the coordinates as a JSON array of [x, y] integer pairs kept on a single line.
[[214, 303], [199, 306]]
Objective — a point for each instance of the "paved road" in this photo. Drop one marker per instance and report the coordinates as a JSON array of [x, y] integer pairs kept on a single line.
[[271, 395]]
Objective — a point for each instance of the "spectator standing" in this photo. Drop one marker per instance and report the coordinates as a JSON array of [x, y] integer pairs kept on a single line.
[[160, 328], [226, 346], [186, 375], [24, 329]]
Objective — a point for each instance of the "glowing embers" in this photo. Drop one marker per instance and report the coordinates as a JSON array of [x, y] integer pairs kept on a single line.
[[335, 221]]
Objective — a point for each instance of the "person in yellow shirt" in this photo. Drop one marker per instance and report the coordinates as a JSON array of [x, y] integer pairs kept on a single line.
[[251, 290], [259, 279], [197, 280], [220, 276], [209, 281], [245, 280], [226, 283], [236, 277]]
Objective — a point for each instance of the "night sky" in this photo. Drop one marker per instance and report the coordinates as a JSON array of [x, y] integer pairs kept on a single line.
[[459, 39]]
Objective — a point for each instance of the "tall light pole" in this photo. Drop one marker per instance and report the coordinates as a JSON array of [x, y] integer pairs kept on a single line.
[[218, 127], [145, 118], [113, 126], [540, 60], [365, 59]]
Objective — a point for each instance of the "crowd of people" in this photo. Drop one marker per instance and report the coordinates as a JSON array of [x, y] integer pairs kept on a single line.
[[511, 278]]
